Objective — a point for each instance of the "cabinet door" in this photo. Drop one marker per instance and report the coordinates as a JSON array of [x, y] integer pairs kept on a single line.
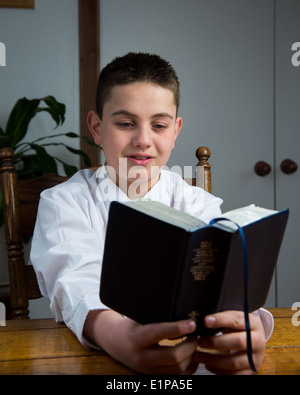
[[288, 146]]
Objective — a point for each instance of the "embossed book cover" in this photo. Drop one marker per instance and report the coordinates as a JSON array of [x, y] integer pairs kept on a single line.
[[160, 264]]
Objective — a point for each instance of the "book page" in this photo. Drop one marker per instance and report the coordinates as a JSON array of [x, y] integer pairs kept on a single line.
[[167, 214], [246, 215], [242, 216]]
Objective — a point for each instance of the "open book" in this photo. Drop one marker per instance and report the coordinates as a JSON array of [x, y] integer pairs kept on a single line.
[[161, 264]]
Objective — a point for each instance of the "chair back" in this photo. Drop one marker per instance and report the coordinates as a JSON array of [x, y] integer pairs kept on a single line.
[[20, 204], [203, 169]]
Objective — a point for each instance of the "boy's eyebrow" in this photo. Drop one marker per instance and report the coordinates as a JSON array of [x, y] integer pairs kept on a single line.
[[162, 115], [130, 114], [123, 112]]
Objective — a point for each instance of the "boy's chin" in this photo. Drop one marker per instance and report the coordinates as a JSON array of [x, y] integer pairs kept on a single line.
[[141, 182], [138, 187]]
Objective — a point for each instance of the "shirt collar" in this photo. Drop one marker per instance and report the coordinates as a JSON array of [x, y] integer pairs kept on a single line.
[[109, 191]]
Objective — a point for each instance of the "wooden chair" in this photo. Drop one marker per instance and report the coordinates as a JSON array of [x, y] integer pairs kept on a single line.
[[203, 169], [20, 203]]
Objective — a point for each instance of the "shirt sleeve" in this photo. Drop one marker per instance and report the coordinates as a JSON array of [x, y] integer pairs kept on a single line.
[[66, 255], [194, 200], [267, 322]]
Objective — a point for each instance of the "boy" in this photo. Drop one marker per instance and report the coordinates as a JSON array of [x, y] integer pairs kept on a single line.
[[137, 124]]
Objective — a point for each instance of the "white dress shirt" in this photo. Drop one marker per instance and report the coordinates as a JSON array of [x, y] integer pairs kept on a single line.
[[69, 236]]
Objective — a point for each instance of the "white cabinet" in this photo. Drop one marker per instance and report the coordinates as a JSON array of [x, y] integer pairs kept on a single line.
[[256, 103], [287, 146]]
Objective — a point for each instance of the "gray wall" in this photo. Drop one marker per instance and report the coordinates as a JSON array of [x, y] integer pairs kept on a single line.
[[41, 59], [222, 51]]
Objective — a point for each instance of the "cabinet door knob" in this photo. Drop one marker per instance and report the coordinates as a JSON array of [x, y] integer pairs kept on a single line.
[[262, 168], [288, 166]]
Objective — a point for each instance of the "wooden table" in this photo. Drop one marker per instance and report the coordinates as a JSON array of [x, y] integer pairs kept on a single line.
[[45, 347], [282, 355]]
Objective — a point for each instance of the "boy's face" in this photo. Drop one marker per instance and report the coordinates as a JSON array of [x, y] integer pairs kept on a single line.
[[138, 130]]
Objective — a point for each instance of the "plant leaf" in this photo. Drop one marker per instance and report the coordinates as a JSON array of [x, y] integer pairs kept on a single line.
[[55, 108], [5, 141], [90, 141], [20, 116], [86, 159], [47, 164], [69, 169], [72, 135], [45, 138], [23, 112], [31, 167]]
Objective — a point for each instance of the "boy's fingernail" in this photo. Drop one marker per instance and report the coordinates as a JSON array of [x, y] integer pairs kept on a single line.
[[191, 326], [210, 321]]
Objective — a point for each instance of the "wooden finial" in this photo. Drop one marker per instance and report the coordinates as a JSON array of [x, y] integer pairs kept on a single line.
[[7, 158], [203, 172]]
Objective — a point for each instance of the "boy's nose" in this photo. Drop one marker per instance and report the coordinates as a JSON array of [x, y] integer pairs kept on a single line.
[[142, 138]]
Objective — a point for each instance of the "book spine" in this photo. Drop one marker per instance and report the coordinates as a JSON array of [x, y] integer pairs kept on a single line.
[[186, 238], [202, 275]]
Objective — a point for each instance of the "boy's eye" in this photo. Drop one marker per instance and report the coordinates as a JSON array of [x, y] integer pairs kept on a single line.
[[159, 126], [125, 125]]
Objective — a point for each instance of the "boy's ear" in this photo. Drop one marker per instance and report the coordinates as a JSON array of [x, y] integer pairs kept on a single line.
[[93, 122], [178, 126]]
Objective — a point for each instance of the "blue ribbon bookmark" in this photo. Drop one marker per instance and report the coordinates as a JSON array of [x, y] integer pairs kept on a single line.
[[246, 308]]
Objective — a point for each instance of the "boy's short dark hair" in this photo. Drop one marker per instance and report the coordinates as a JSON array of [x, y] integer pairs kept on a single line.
[[136, 67]]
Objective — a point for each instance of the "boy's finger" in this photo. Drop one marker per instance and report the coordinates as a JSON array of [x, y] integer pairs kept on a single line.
[[224, 364], [234, 320], [153, 333], [230, 341], [178, 355]]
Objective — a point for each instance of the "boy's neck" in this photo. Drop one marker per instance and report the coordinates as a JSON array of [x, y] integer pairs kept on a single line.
[[135, 189]]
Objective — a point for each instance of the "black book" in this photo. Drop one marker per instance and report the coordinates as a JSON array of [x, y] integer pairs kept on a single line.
[[162, 265]]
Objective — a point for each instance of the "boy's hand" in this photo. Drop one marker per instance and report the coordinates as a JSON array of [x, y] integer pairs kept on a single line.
[[233, 340], [137, 346], [148, 356]]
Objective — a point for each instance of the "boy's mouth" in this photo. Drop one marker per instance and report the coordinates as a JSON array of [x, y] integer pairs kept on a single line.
[[140, 159]]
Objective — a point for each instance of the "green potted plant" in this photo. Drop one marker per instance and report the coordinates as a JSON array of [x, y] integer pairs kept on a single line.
[[32, 158]]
